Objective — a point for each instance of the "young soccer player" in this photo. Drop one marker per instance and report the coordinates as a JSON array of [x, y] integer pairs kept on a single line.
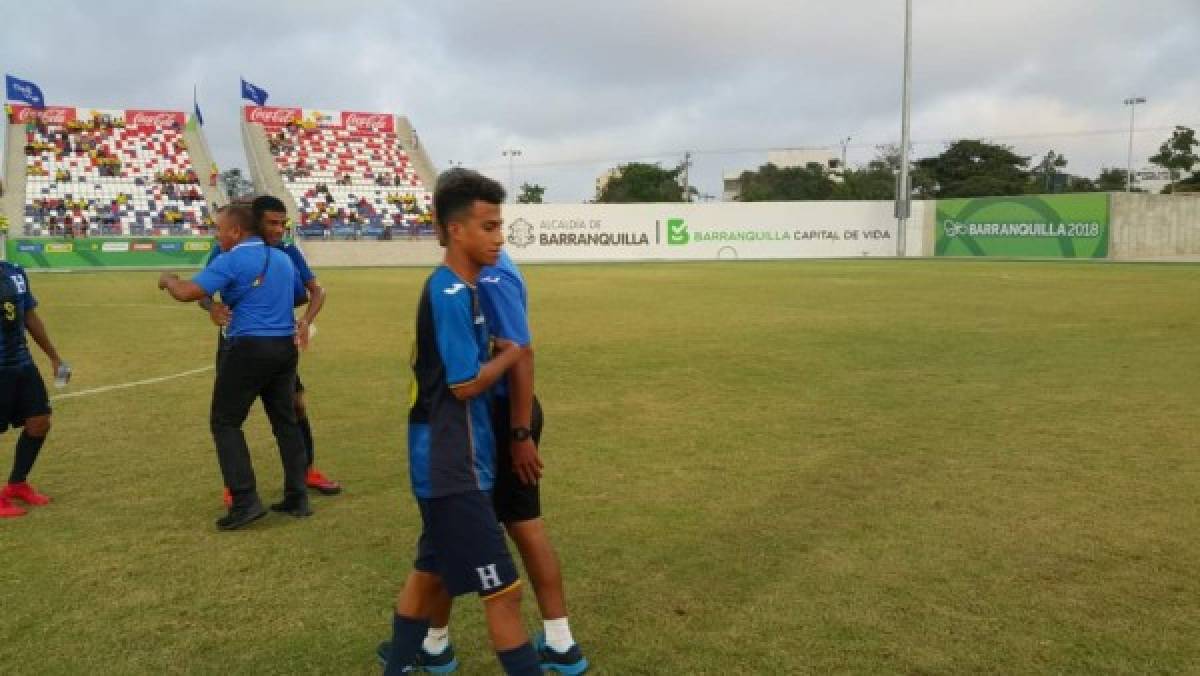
[[450, 442], [23, 400], [517, 422]]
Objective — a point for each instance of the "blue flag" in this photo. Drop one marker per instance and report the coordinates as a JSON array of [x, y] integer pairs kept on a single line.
[[196, 106], [252, 93], [24, 90]]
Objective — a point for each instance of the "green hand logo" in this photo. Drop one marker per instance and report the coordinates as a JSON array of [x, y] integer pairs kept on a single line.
[[677, 232]]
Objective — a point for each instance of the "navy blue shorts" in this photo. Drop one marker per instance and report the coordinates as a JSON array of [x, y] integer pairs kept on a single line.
[[22, 396], [462, 543], [514, 500]]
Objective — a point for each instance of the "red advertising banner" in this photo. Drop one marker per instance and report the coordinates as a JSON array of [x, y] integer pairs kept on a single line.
[[155, 119], [272, 117], [376, 122], [56, 115]]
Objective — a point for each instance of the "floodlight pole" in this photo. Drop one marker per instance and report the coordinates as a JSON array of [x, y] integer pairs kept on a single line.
[[1132, 102], [511, 154], [903, 191]]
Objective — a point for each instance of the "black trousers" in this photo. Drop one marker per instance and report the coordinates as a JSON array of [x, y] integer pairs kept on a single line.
[[249, 368]]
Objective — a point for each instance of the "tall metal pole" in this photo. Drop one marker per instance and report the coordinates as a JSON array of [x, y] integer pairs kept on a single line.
[[1132, 102], [512, 154], [903, 192]]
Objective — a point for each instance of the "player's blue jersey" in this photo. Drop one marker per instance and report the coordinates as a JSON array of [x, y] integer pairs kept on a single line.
[[450, 445], [16, 298], [303, 273], [505, 302]]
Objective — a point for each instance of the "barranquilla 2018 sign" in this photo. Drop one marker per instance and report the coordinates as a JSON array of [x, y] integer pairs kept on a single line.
[[1035, 226], [98, 252]]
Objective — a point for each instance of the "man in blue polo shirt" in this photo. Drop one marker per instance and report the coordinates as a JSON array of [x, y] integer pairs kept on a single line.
[[258, 359], [270, 215]]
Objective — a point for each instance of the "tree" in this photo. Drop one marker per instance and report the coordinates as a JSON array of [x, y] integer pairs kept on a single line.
[[236, 185], [1177, 154], [641, 182], [1046, 177], [1112, 180], [531, 193], [876, 181], [770, 183], [1080, 184], [975, 168]]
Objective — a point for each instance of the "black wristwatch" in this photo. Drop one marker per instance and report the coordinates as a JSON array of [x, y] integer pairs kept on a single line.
[[521, 434]]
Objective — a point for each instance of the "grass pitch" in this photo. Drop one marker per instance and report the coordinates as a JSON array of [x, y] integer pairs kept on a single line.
[[802, 467]]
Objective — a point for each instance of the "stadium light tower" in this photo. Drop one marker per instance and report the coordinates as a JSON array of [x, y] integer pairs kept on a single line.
[[903, 191], [512, 154], [1132, 102]]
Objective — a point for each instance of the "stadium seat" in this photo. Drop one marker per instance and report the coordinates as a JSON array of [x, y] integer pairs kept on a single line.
[[351, 183], [134, 181]]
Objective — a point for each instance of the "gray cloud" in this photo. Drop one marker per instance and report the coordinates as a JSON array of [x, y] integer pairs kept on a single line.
[[579, 86]]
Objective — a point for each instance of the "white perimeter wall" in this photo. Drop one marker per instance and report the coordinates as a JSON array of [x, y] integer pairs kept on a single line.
[[537, 233]]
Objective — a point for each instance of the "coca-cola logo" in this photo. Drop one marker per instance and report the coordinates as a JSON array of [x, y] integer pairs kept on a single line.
[[272, 116], [372, 121], [141, 118], [25, 114]]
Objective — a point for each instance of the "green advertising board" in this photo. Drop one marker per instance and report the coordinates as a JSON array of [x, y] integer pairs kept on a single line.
[[1033, 226], [109, 252]]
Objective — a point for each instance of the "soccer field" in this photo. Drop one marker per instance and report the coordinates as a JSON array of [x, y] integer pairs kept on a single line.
[[798, 467]]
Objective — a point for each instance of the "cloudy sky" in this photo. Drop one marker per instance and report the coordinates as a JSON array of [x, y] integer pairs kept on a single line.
[[580, 86]]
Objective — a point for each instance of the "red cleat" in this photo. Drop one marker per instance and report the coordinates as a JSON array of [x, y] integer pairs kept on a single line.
[[25, 493], [9, 510], [227, 498], [320, 483]]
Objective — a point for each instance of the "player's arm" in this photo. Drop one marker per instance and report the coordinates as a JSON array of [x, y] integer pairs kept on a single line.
[[184, 291], [454, 320], [526, 461], [37, 331], [507, 353], [505, 298], [316, 301], [218, 312]]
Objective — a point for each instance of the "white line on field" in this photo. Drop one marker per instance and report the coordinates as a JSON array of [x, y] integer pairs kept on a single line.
[[136, 383]]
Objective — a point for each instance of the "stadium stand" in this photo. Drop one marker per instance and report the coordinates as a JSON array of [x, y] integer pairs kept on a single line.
[[108, 172], [349, 175]]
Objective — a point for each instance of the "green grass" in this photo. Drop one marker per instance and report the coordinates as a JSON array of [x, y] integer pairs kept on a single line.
[[810, 467]]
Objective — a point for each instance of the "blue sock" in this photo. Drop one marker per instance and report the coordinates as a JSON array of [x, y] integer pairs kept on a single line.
[[521, 661], [407, 635]]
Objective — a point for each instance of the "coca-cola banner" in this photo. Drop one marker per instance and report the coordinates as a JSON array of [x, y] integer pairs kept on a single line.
[[376, 122], [271, 116], [155, 119], [55, 115]]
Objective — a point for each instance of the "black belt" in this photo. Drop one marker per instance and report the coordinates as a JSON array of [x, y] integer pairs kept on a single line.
[[259, 339]]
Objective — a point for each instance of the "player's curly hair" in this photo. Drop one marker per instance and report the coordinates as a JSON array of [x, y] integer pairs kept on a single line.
[[457, 191], [264, 203]]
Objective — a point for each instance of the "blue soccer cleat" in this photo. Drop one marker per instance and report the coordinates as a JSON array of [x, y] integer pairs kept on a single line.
[[443, 663], [571, 663]]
